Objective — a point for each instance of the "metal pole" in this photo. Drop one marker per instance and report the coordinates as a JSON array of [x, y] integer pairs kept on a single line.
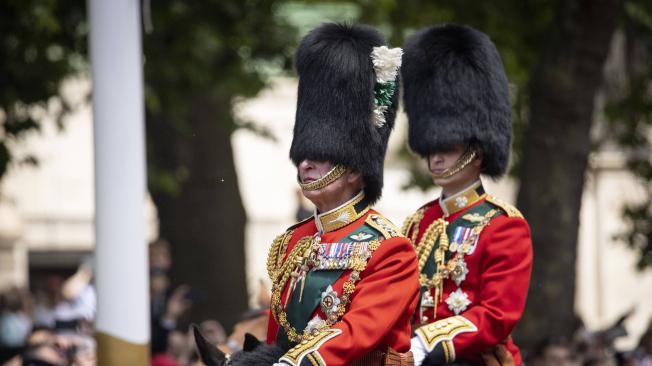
[[122, 323]]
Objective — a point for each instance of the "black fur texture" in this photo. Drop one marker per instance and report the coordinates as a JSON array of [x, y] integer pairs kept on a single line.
[[254, 353], [262, 355], [456, 92], [335, 103]]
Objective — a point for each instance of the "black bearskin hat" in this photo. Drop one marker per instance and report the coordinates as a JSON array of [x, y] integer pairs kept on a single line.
[[456, 92], [334, 118]]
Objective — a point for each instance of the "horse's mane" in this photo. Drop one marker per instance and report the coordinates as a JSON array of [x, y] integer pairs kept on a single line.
[[262, 355], [254, 352]]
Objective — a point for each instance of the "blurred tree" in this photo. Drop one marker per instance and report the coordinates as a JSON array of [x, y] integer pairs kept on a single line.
[[630, 116], [556, 147], [553, 52], [199, 57], [41, 43]]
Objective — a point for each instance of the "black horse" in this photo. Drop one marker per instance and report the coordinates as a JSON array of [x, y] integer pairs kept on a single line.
[[254, 352]]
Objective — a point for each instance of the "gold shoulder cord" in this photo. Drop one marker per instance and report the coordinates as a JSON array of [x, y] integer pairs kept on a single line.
[[276, 252], [435, 232], [282, 275], [412, 223]]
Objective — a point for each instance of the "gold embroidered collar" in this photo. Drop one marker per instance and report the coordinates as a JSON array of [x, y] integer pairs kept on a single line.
[[462, 199], [343, 215]]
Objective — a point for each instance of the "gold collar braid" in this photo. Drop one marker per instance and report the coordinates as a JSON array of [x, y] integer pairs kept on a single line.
[[460, 164], [342, 215], [330, 177]]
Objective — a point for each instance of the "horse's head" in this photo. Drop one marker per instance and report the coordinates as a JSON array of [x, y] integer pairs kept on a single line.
[[210, 355]]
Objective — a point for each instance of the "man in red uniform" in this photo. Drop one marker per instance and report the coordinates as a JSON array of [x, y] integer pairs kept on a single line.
[[345, 281], [474, 250]]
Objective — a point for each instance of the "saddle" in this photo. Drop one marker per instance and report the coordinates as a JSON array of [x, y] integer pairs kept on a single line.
[[389, 358]]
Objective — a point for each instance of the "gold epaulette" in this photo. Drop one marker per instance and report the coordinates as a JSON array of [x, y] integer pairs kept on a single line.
[[510, 210], [384, 226]]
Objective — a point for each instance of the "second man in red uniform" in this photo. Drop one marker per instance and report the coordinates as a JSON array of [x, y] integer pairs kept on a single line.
[[474, 251]]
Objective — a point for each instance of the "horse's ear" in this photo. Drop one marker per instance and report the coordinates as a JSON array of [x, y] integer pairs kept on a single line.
[[250, 342], [210, 355]]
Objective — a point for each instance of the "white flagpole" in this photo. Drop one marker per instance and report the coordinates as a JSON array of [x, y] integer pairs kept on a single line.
[[122, 323]]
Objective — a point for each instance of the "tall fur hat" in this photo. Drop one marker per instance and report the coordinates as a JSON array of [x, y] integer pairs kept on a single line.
[[335, 106], [456, 92]]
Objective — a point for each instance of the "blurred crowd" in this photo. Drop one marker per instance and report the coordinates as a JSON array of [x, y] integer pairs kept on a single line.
[[51, 327], [592, 348], [54, 327]]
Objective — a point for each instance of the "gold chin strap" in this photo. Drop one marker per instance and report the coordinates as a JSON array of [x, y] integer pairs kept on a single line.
[[460, 164], [330, 177]]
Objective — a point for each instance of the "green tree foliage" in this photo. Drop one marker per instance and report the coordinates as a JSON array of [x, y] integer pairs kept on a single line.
[[41, 43], [199, 58], [212, 49]]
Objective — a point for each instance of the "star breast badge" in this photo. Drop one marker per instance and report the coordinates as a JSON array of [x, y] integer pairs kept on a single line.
[[329, 301], [458, 301]]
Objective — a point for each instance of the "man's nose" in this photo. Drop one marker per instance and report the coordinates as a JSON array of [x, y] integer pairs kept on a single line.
[[305, 164], [436, 158]]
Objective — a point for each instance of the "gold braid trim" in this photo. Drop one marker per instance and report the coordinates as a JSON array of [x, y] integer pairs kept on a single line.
[[357, 265], [310, 345], [449, 351], [444, 330], [510, 210]]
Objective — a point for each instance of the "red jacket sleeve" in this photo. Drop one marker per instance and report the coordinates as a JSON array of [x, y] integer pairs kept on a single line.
[[506, 267], [378, 315]]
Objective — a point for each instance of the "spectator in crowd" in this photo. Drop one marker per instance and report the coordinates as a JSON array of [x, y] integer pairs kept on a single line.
[[15, 321], [166, 305], [79, 300], [178, 351], [46, 300]]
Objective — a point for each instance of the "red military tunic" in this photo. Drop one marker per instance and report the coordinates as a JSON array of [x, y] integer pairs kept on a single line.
[[378, 314], [482, 295]]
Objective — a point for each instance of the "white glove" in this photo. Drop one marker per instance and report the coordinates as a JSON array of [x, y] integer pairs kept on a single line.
[[419, 352]]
